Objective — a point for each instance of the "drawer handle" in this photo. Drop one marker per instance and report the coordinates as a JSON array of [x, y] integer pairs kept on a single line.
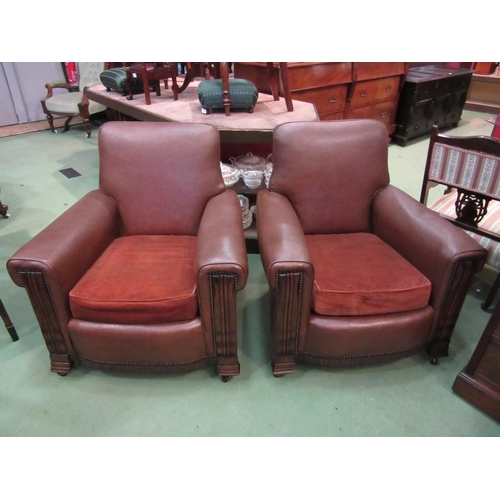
[[383, 114], [332, 100], [388, 88], [363, 94]]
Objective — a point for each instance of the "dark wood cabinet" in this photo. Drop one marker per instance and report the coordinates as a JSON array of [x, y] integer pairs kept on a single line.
[[431, 95], [339, 90], [479, 381]]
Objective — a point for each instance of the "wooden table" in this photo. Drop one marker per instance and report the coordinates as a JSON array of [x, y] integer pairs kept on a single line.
[[238, 128]]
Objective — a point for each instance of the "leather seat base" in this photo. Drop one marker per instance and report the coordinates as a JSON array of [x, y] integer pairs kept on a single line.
[[167, 347], [334, 341]]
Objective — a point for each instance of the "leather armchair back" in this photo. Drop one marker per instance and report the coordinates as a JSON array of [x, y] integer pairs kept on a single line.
[[155, 204], [336, 155]]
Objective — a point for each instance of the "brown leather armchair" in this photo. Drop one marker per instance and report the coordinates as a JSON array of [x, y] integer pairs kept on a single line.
[[140, 274], [358, 271]]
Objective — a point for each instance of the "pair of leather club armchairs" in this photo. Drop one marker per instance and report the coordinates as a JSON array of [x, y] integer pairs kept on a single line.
[[143, 273]]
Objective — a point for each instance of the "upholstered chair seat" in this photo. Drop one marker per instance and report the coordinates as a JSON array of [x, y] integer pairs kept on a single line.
[[68, 104]]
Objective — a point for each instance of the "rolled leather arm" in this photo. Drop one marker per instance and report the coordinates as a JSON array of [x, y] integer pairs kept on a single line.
[[445, 254], [65, 249], [221, 241], [429, 242], [282, 242]]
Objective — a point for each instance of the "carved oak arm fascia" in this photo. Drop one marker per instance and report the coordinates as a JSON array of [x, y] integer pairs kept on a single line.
[[290, 274]]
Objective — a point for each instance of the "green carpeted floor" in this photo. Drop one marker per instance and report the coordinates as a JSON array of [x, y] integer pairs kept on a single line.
[[405, 398]]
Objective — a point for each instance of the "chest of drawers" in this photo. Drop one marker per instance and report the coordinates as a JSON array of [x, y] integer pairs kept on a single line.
[[339, 89], [431, 95]]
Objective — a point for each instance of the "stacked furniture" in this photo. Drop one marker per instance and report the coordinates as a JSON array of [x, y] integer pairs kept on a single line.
[[431, 95], [339, 90]]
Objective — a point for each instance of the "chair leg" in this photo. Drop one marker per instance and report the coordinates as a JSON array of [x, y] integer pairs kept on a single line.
[[3, 210], [286, 85], [8, 323], [273, 80], [145, 83], [50, 119], [491, 296], [66, 124]]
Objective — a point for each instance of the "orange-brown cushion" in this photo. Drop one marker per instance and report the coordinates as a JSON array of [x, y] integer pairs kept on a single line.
[[358, 274], [139, 280]]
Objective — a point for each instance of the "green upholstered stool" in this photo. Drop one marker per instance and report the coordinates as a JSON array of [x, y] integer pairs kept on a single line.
[[114, 79], [243, 94]]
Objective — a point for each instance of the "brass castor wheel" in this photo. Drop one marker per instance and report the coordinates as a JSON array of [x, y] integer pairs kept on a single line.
[[278, 375], [434, 361], [226, 378]]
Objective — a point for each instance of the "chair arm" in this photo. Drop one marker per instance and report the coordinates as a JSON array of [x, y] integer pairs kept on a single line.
[[221, 241], [51, 263], [422, 236], [65, 249], [282, 241], [445, 254], [58, 85]]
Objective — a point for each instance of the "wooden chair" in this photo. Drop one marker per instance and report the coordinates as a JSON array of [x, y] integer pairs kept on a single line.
[[152, 73], [74, 102], [469, 168]]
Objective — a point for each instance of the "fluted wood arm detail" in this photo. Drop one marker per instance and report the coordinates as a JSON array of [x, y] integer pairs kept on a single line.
[[290, 274], [445, 254]]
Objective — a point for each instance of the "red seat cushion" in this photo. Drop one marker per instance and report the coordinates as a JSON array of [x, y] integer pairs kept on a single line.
[[139, 280], [358, 274]]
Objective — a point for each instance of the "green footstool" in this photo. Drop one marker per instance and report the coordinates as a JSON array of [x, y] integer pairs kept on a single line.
[[114, 79], [243, 94]]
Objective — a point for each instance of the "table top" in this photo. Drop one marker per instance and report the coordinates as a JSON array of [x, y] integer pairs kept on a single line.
[[266, 116]]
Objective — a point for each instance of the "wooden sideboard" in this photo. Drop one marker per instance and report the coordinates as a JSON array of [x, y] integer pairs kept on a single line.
[[339, 90], [479, 381], [431, 95]]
